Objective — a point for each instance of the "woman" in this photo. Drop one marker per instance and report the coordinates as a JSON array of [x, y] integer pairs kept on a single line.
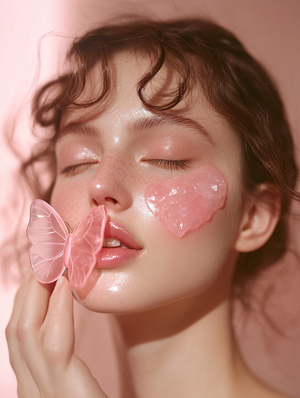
[[144, 113]]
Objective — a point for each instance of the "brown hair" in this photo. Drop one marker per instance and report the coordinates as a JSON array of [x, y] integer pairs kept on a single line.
[[235, 85]]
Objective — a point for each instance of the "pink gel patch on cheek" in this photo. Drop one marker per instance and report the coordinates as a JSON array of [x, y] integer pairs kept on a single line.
[[184, 204]]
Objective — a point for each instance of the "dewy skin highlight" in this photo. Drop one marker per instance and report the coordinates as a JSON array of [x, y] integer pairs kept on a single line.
[[184, 204]]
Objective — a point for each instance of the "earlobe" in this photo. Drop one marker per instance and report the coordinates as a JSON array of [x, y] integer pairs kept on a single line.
[[259, 218]]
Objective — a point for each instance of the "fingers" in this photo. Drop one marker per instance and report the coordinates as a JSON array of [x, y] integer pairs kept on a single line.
[[33, 312], [40, 335], [46, 332], [14, 333], [58, 327], [34, 308], [18, 302]]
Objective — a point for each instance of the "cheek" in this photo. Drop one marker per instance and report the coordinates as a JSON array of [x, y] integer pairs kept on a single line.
[[184, 204], [70, 201]]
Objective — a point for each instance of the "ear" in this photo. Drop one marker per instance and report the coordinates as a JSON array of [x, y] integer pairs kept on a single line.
[[259, 219]]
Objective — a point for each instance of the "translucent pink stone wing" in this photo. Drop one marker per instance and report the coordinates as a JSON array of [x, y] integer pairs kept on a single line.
[[47, 234], [53, 249], [83, 245]]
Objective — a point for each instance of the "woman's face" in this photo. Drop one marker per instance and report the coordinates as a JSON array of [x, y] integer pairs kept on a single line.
[[111, 157]]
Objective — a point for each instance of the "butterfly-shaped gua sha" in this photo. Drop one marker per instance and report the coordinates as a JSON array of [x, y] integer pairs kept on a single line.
[[55, 248]]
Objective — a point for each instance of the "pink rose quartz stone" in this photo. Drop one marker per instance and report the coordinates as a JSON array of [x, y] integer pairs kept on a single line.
[[184, 204]]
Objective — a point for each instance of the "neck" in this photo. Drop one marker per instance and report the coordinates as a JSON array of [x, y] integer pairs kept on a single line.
[[191, 353], [185, 349]]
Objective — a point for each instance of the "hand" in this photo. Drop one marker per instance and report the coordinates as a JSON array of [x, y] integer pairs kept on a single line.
[[40, 337]]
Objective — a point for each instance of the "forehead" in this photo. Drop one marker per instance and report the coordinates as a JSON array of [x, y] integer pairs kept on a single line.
[[126, 69], [123, 106]]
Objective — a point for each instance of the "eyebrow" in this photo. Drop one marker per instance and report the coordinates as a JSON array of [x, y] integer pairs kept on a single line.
[[168, 119], [141, 124], [88, 130]]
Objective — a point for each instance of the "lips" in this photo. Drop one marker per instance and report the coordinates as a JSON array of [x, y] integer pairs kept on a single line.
[[118, 247]]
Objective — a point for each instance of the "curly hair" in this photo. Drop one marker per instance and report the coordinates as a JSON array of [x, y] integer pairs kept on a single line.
[[235, 84]]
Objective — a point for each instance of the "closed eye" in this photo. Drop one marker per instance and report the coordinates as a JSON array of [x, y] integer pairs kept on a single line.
[[171, 165], [75, 169]]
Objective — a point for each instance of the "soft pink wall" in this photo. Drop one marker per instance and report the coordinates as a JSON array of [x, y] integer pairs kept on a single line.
[[270, 29], [22, 24]]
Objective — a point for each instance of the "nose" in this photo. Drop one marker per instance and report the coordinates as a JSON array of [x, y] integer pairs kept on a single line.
[[110, 186]]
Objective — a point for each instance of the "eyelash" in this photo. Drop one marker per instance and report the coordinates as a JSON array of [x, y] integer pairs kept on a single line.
[[73, 168], [171, 165]]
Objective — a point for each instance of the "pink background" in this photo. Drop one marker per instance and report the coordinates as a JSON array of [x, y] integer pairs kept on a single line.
[[270, 29]]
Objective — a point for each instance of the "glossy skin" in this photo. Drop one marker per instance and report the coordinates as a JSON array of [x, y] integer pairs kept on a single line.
[[118, 167], [171, 300]]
